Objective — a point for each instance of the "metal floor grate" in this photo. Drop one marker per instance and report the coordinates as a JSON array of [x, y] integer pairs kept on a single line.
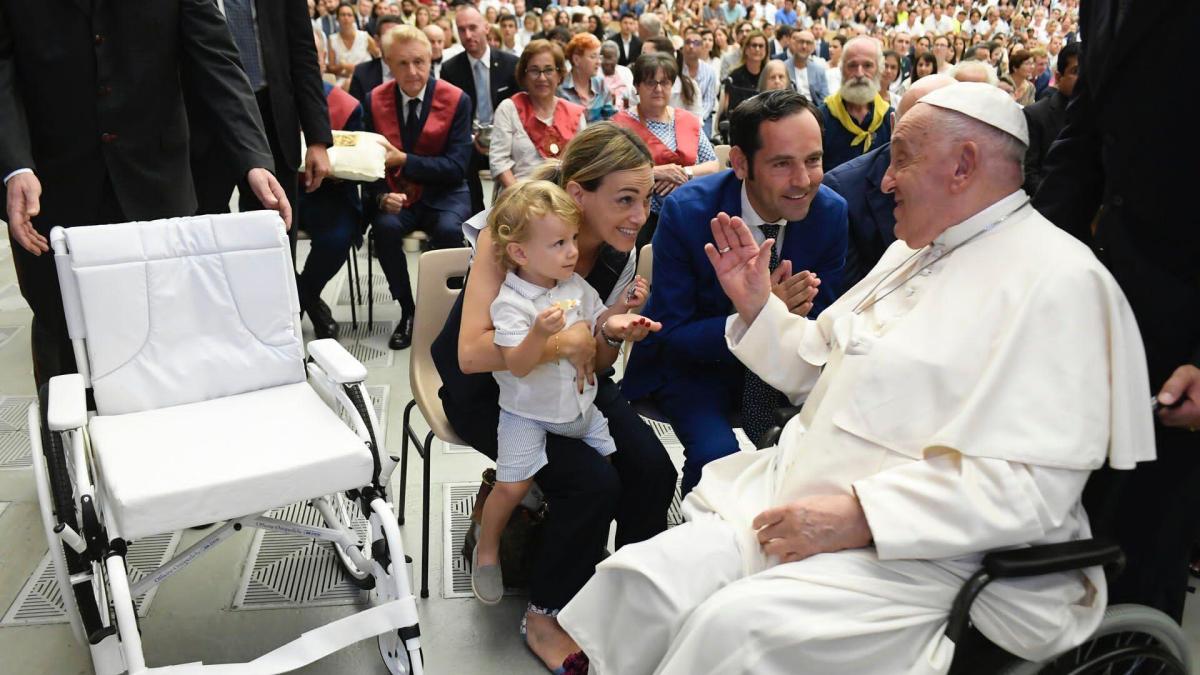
[[368, 346], [7, 333], [11, 298], [457, 501], [378, 286], [14, 432], [40, 600], [287, 570]]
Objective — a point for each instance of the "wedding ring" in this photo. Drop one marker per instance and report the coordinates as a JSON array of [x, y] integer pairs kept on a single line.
[[725, 250]]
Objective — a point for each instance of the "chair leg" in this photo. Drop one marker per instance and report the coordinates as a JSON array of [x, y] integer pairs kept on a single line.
[[352, 272], [127, 628], [370, 282], [357, 288], [425, 515], [404, 455]]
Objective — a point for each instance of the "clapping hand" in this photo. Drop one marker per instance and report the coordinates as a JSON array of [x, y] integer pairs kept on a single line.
[[742, 267], [795, 290]]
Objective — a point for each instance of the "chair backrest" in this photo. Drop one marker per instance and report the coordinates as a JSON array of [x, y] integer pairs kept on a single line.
[[435, 298], [180, 310], [722, 156]]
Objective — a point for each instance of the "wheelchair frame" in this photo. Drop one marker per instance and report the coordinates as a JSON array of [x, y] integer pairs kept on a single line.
[[88, 551]]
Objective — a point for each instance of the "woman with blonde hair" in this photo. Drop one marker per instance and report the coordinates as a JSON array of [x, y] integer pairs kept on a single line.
[[607, 171]]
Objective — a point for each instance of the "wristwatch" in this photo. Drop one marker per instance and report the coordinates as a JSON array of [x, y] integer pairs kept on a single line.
[[690, 174], [612, 341]]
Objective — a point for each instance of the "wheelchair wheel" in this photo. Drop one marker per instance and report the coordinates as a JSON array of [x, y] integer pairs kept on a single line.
[[344, 509], [89, 597], [1131, 639]]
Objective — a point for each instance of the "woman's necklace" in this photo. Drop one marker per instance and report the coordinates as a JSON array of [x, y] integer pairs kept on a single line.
[[859, 308]]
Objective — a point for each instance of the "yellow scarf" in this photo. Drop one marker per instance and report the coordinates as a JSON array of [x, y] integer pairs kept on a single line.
[[835, 105]]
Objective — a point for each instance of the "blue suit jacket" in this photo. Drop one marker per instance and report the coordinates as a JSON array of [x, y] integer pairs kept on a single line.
[[818, 85], [686, 296], [443, 177], [872, 226]]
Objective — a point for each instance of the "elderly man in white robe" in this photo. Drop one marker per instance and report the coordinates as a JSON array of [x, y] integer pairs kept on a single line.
[[955, 402]]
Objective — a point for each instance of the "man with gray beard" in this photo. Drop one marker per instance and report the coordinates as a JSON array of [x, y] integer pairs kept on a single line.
[[856, 118]]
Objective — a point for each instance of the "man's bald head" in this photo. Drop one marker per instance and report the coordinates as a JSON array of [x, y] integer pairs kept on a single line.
[[973, 71], [920, 88]]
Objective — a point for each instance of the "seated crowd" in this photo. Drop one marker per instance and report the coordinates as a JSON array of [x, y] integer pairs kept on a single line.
[[874, 253]]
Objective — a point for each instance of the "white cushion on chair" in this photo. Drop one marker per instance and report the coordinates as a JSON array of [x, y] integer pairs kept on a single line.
[[178, 467], [185, 309]]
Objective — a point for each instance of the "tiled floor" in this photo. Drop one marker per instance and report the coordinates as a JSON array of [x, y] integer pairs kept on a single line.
[[193, 615]]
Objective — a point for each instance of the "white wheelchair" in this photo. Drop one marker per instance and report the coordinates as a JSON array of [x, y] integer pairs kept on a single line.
[[187, 337]]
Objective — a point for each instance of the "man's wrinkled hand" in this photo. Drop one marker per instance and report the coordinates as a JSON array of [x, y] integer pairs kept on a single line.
[[270, 193], [1180, 397], [316, 166], [812, 525], [24, 203], [393, 202]]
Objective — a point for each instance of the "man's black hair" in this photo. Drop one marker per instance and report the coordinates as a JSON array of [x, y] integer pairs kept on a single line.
[[1065, 55], [768, 106]]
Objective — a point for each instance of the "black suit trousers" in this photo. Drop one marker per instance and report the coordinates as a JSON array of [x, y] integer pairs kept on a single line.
[[215, 182], [38, 279]]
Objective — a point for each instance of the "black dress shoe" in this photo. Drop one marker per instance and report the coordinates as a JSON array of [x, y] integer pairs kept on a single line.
[[402, 336], [321, 317]]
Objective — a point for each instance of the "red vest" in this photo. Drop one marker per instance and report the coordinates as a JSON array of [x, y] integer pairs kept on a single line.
[[341, 107], [549, 140], [687, 138], [433, 136]]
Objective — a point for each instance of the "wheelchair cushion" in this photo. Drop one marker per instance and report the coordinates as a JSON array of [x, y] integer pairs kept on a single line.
[[171, 468], [185, 309]]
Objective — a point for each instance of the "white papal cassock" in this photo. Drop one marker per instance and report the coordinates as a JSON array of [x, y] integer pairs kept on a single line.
[[965, 410]]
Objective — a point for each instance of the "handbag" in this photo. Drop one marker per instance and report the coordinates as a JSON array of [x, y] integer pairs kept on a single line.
[[521, 537]]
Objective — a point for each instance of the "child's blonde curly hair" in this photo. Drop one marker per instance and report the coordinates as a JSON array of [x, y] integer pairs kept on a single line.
[[520, 204]]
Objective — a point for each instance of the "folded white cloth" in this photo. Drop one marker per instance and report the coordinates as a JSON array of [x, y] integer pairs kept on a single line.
[[356, 155]]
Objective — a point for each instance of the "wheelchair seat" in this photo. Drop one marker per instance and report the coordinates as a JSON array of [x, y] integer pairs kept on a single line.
[[229, 456]]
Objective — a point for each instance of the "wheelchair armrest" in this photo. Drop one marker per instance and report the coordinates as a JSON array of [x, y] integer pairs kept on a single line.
[[1052, 558], [1027, 562], [67, 407], [339, 364]]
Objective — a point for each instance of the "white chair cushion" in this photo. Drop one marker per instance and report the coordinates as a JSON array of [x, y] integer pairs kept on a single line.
[[177, 467], [185, 309]]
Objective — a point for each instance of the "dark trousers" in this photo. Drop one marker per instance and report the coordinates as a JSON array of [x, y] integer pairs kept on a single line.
[[701, 404], [38, 279], [1152, 512], [585, 492], [215, 182], [331, 218], [476, 164], [443, 227]]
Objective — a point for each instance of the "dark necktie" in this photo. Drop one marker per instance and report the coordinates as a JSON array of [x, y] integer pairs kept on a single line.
[[759, 399], [240, 18], [410, 122]]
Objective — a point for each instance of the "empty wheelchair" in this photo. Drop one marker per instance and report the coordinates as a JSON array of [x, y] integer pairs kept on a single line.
[[187, 337]]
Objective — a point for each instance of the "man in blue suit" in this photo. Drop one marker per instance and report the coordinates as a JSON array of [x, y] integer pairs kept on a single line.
[[775, 186], [809, 76], [872, 223]]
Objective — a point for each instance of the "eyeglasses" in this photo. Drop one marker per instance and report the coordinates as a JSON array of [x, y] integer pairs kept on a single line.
[[693, 43], [665, 85], [755, 45], [536, 73]]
